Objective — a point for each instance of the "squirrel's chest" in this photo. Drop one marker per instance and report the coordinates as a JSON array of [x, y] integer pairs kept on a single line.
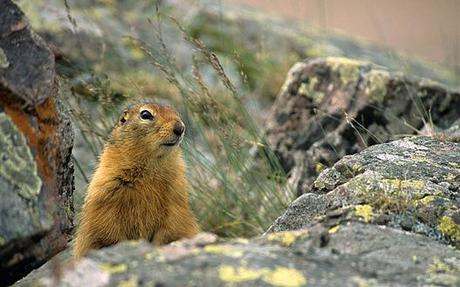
[[139, 216]]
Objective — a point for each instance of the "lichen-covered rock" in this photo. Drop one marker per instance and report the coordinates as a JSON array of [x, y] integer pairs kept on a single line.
[[354, 254], [412, 184], [332, 107], [36, 171], [382, 217]]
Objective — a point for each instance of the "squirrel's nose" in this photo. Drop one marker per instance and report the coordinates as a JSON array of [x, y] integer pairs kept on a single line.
[[179, 128]]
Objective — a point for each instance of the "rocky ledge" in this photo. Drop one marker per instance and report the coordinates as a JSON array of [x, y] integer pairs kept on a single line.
[[411, 184], [36, 170], [388, 216], [332, 107]]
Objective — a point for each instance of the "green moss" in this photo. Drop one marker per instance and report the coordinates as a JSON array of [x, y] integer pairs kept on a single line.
[[448, 227]]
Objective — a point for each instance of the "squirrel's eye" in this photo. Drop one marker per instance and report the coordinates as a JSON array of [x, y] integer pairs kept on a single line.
[[146, 115]]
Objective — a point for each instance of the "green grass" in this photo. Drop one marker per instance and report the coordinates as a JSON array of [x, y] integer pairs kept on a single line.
[[237, 186]]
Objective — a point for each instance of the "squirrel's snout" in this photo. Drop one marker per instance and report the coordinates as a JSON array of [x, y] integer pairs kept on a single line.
[[179, 128]]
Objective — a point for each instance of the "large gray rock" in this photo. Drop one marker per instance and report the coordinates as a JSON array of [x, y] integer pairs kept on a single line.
[[36, 171], [411, 184], [383, 217], [356, 254], [332, 107]]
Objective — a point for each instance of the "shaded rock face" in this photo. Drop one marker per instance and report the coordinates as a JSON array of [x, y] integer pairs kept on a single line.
[[356, 254], [332, 107], [411, 184], [36, 171]]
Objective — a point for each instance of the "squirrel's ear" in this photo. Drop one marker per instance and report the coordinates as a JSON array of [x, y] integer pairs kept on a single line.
[[123, 117]]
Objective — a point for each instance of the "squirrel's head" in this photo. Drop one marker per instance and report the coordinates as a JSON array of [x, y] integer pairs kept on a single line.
[[156, 128]]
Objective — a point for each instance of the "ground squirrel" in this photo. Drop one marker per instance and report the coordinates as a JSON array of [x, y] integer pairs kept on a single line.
[[139, 189]]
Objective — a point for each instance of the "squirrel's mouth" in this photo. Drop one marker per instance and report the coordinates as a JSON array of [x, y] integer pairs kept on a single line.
[[173, 142]]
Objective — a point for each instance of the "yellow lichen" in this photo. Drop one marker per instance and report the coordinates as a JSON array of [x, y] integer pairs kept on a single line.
[[3, 60], [284, 277], [241, 240], [440, 273], [114, 268], [285, 238], [233, 274], [376, 88], [311, 91], [279, 276], [420, 159], [150, 255], [356, 168], [303, 89], [427, 199], [347, 68], [224, 250], [334, 229], [437, 266], [450, 177], [364, 211], [400, 184], [344, 61], [319, 167], [131, 282], [363, 282], [448, 227]]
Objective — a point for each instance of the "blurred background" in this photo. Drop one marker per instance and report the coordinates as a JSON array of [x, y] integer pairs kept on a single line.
[[423, 28], [222, 63]]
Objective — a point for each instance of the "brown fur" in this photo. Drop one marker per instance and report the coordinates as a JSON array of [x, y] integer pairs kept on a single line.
[[139, 189]]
